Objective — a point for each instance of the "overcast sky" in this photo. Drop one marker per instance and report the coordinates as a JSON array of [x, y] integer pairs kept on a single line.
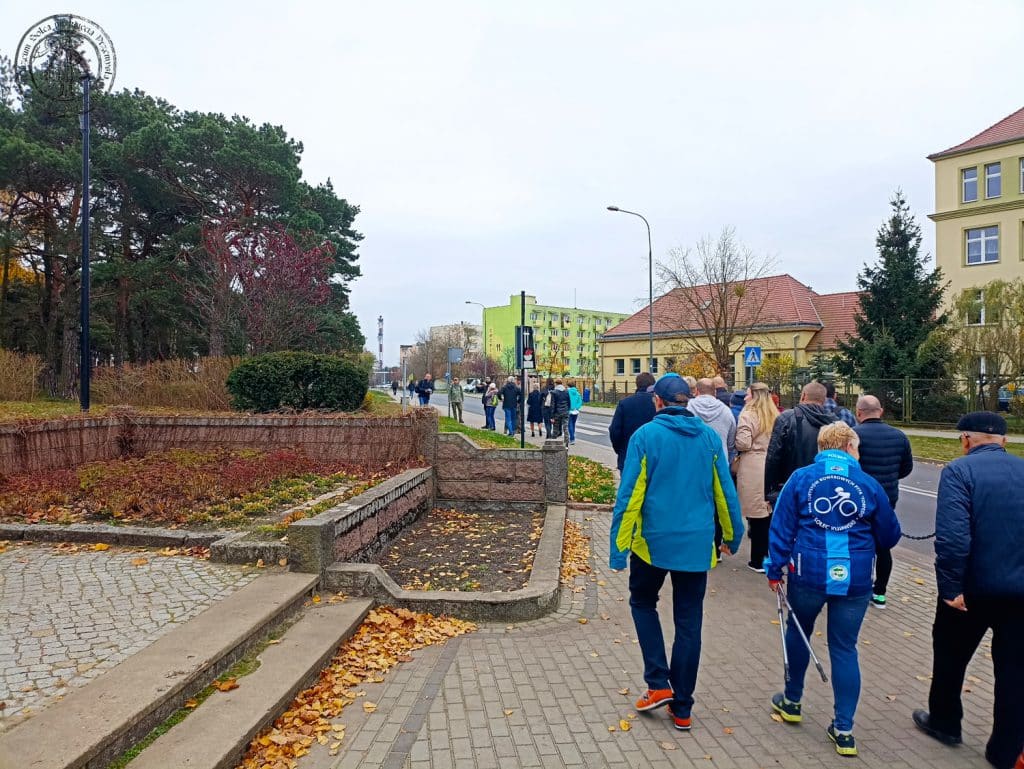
[[483, 140]]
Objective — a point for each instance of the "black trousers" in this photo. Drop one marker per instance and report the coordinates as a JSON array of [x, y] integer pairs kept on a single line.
[[883, 569], [955, 638], [757, 529]]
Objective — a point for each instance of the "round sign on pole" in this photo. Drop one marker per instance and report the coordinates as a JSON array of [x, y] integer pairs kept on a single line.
[[55, 54]]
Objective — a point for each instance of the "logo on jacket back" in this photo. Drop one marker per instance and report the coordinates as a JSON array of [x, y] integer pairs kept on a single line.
[[835, 502]]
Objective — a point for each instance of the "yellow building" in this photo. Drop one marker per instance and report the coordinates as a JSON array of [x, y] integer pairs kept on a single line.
[[792, 321], [979, 207]]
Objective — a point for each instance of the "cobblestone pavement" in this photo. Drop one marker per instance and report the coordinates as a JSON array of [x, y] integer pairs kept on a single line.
[[544, 694], [66, 617]]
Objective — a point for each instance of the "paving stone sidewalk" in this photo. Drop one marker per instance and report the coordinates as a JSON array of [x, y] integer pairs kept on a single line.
[[544, 694], [66, 617]]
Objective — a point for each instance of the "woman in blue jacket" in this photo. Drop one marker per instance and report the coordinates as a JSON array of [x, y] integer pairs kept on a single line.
[[575, 404], [828, 521]]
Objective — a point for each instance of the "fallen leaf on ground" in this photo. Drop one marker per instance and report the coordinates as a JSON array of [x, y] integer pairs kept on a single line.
[[273, 641], [624, 690], [191, 704], [139, 561], [259, 563], [775, 622], [283, 562], [583, 620], [776, 717], [918, 581], [727, 730], [509, 712], [226, 685], [611, 728], [369, 707], [316, 599], [624, 725], [101, 546], [666, 745]]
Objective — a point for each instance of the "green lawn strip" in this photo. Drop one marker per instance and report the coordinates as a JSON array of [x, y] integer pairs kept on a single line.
[[245, 666], [590, 481], [484, 438], [947, 449], [600, 404]]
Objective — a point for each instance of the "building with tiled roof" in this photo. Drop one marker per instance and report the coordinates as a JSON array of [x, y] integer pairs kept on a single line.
[[777, 313], [979, 207]]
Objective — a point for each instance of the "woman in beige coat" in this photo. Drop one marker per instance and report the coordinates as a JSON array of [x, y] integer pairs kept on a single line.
[[753, 433]]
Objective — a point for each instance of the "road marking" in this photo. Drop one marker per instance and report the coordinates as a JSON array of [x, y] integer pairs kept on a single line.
[[590, 430], [922, 492]]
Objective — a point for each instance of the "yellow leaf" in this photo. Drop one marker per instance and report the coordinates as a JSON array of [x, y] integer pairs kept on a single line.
[[775, 622], [100, 547], [259, 563], [918, 581], [666, 745], [338, 728], [335, 746], [139, 561], [727, 730], [509, 712], [583, 620], [191, 704], [611, 728], [624, 725], [226, 685], [369, 707], [316, 599], [776, 717], [283, 562], [624, 691]]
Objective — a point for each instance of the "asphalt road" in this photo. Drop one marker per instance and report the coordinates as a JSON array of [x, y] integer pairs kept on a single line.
[[916, 506]]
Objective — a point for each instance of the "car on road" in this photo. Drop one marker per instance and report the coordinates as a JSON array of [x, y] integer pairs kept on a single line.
[[474, 386]]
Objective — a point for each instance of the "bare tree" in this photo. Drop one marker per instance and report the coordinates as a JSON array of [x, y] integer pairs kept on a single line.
[[714, 298]]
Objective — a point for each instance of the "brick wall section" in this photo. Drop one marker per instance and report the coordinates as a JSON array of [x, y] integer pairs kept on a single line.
[[368, 441], [357, 530], [468, 475]]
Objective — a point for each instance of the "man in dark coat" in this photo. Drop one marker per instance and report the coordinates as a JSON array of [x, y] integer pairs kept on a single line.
[[510, 395], [560, 411], [631, 414], [979, 570], [721, 391], [424, 388], [886, 456], [794, 442]]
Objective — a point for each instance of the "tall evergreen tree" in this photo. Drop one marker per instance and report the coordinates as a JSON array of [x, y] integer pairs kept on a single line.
[[900, 305]]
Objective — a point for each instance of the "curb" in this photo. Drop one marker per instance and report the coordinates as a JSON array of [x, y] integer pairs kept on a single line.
[[131, 536]]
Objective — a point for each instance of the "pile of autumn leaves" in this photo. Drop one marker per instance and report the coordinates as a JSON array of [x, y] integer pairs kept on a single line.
[[384, 639]]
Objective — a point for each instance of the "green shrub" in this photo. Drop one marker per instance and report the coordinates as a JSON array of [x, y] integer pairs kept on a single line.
[[939, 407], [299, 381]]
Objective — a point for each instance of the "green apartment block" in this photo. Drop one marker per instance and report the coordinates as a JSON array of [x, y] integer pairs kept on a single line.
[[566, 338]]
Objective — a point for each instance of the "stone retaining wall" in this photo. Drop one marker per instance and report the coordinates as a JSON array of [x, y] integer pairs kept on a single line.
[[361, 527], [367, 441]]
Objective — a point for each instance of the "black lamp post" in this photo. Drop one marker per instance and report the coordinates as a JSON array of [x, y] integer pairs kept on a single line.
[[650, 286]]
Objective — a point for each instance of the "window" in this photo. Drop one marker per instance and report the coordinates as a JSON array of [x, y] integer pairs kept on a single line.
[[620, 366], [579, 319], [533, 315], [993, 180], [565, 332], [983, 245], [634, 365], [654, 365], [579, 334], [607, 321], [566, 318], [976, 314], [969, 183], [1022, 176]]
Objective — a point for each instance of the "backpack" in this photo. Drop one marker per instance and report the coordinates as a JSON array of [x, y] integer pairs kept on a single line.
[[547, 400]]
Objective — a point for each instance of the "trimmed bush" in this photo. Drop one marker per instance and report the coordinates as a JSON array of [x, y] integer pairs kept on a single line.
[[939, 407], [297, 381]]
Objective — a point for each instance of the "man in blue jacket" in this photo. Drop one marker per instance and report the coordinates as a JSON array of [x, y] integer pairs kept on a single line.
[[979, 568], [886, 456], [675, 482], [630, 414], [828, 520]]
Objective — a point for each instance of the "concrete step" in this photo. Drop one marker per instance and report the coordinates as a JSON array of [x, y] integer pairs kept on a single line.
[[217, 734], [95, 724]]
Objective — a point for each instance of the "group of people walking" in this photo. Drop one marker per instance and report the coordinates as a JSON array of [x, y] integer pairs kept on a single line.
[[817, 486], [552, 407]]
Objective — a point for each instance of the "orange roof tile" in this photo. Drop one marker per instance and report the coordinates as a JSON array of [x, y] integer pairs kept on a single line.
[[838, 313], [1009, 129]]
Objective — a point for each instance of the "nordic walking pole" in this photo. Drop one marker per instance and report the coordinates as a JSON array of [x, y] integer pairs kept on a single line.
[[782, 632], [803, 635]]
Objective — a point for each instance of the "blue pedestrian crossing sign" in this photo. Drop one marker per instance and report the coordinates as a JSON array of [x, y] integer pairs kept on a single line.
[[752, 356]]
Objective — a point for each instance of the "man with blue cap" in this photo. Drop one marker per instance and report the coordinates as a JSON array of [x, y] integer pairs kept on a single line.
[[675, 483], [979, 569]]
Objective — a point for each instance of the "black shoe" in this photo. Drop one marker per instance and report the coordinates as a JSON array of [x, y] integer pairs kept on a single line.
[[923, 721]]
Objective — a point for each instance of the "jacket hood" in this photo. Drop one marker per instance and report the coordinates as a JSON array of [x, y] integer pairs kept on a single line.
[[679, 420], [708, 407], [738, 398], [560, 388], [815, 414]]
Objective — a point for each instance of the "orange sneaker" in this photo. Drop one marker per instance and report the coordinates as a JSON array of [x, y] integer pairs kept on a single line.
[[682, 724], [1020, 762], [654, 698]]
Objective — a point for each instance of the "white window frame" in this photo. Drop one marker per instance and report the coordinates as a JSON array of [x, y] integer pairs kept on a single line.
[[1022, 176], [654, 365], [963, 184], [979, 298], [997, 176], [634, 365], [983, 240]]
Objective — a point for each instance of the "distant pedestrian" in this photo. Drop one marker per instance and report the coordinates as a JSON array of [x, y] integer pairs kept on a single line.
[[560, 411], [794, 442], [575, 404], [631, 413], [675, 484], [490, 401], [886, 456], [510, 394], [394, 388], [738, 401], [455, 398], [753, 434], [424, 389], [979, 568], [411, 387], [832, 407], [721, 391], [829, 519], [546, 406], [535, 410], [715, 414]]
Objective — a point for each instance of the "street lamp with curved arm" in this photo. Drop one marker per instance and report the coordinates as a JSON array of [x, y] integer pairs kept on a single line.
[[650, 286], [483, 332]]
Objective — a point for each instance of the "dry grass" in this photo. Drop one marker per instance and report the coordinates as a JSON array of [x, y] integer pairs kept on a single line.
[[193, 384], [19, 376]]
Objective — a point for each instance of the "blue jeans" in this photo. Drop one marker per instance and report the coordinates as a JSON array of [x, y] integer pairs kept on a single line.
[[424, 400], [489, 417], [572, 426], [688, 589], [845, 615], [510, 421]]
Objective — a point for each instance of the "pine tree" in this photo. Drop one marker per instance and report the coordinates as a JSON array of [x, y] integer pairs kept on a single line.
[[899, 307]]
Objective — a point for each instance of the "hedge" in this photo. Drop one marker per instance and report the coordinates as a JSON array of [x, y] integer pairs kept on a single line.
[[297, 381]]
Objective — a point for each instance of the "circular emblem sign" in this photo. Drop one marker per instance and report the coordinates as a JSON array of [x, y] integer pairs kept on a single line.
[[55, 54]]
